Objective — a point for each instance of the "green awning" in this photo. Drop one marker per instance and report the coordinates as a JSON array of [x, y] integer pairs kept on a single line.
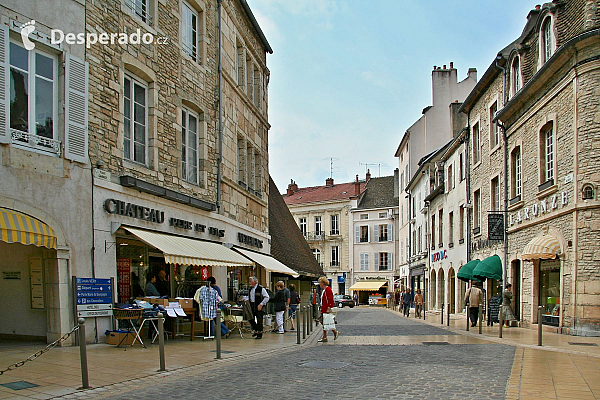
[[490, 268], [465, 272]]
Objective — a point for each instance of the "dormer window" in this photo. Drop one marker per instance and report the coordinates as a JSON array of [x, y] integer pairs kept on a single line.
[[546, 40], [515, 76]]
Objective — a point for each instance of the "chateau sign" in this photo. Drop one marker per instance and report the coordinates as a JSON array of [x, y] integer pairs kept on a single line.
[[538, 209]]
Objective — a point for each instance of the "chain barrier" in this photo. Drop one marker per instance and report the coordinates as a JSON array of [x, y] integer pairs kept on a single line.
[[39, 353]]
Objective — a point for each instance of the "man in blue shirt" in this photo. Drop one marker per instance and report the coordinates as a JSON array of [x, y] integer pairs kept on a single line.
[[213, 284]]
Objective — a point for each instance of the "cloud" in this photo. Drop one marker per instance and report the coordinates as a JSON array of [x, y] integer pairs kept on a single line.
[[369, 76], [269, 27], [310, 8]]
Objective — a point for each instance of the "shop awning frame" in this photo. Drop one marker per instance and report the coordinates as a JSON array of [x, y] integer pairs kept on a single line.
[[17, 227], [545, 247], [368, 285], [268, 262], [188, 251]]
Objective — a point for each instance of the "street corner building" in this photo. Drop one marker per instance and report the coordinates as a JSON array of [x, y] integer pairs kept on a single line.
[[130, 159], [534, 137]]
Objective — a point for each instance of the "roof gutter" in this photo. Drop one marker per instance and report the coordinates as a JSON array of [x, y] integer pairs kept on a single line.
[[254, 22]]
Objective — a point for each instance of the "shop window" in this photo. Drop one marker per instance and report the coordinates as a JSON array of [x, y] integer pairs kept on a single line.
[[588, 192], [135, 120], [549, 290]]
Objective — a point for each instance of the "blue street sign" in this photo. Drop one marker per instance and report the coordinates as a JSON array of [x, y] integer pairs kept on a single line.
[[94, 288], [93, 291], [93, 281], [93, 300]]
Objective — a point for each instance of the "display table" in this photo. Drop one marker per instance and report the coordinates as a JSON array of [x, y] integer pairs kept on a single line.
[[130, 315]]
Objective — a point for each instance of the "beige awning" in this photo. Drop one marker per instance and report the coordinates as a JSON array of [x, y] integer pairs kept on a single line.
[[186, 251], [368, 285], [541, 248], [269, 263]]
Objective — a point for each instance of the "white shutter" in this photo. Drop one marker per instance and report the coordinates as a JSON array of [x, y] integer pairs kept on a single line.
[[390, 233], [390, 260], [376, 233], [362, 261], [376, 261], [357, 230], [76, 109], [4, 83], [366, 261]]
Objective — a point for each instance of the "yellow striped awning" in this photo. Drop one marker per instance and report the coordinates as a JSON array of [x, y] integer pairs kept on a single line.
[[368, 285], [187, 251], [16, 227], [541, 248], [268, 262]]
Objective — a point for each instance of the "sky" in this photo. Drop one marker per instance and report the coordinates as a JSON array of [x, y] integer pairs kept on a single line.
[[348, 77]]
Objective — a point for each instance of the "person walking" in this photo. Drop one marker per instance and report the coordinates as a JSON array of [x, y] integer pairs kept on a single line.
[[406, 301], [294, 302], [418, 303], [225, 332], [258, 297], [355, 298], [279, 305], [474, 297], [315, 301], [507, 312], [327, 304]]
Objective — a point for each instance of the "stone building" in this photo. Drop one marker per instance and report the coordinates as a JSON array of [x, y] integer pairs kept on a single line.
[[179, 145], [534, 136], [45, 179], [374, 248], [323, 216]]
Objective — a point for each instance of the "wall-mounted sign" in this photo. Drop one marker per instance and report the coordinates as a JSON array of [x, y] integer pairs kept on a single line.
[[439, 255], [11, 275], [119, 207], [537, 209], [101, 174], [183, 224], [484, 243], [250, 241]]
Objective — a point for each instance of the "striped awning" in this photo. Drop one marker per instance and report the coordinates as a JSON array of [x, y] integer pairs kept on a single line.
[[541, 248], [368, 285], [268, 262], [187, 251], [16, 227]]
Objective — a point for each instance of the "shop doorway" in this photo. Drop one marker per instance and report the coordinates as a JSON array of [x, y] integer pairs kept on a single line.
[[516, 286], [433, 291], [549, 291], [441, 288], [452, 285]]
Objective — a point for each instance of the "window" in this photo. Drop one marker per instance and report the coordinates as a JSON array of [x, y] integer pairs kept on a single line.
[[433, 231], [495, 194], [257, 87], [402, 251], [335, 224], [257, 173], [419, 244], [141, 9], [364, 261], [441, 227], [364, 216], [588, 192], [302, 224], [547, 41], [494, 129], [364, 234], [241, 159], [383, 232], [414, 212], [318, 225], [547, 153], [451, 227], [461, 166], [135, 117], [33, 96], [335, 256], [250, 166], [476, 144], [189, 31], [317, 254], [189, 146], [414, 242], [382, 215], [461, 224], [240, 64], [385, 261], [515, 177], [515, 76], [249, 78], [450, 178], [476, 209]]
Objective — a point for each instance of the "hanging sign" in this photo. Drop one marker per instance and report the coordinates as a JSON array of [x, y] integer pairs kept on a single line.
[[495, 226]]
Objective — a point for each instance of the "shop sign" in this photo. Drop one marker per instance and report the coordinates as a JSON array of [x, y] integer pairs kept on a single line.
[[204, 273], [11, 275], [183, 224], [484, 243], [249, 240], [496, 226], [124, 279], [537, 209], [439, 256], [119, 207]]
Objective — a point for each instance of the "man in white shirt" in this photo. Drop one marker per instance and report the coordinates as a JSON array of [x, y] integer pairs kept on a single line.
[[258, 299]]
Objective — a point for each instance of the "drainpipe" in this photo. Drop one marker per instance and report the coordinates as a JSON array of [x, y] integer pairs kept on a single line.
[[220, 144]]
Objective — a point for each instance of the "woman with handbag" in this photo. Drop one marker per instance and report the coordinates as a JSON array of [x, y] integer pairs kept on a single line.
[[279, 305], [326, 305]]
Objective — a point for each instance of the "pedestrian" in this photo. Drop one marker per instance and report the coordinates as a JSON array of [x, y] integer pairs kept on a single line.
[[327, 304], [314, 300], [473, 298], [406, 302], [388, 298], [418, 303], [279, 302], [355, 297], [258, 297], [286, 294], [151, 287], [213, 284], [507, 312], [162, 284], [294, 302]]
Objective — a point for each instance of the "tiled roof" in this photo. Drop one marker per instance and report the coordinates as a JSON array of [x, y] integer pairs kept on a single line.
[[317, 194], [288, 245], [379, 192]]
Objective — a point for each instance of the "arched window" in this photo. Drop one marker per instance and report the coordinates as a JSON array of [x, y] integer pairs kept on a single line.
[[588, 192], [547, 40], [515, 76]]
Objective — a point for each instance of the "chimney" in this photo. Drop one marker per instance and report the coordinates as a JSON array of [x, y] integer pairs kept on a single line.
[[329, 182], [292, 187], [537, 7], [444, 66], [451, 64], [396, 182], [356, 186], [368, 176]]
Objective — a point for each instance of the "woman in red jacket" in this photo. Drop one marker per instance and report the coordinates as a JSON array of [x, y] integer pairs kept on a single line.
[[326, 305]]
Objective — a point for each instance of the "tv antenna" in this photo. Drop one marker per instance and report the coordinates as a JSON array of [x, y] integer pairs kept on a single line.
[[331, 160], [371, 164]]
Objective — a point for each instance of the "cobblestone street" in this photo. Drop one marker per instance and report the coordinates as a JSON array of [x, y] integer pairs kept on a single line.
[[438, 370]]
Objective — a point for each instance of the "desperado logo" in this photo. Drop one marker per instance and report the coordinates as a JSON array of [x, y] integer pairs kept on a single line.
[[544, 207]]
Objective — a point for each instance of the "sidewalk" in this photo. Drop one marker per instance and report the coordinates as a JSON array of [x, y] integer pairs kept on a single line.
[[58, 373]]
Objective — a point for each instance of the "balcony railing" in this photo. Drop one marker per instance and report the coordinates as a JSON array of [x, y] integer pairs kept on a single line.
[[36, 142], [314, 236]]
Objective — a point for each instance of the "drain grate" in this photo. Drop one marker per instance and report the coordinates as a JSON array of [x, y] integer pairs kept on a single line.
[[582, 344], [325, 364], [19, 385], [434, 343]]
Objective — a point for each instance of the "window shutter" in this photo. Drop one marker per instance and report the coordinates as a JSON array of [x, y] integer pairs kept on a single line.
[[366, 261], [390, 233], [376, 261], [390, 260], [357, 230], [76, 109], [4, 79], [241, 65], [376, 233]]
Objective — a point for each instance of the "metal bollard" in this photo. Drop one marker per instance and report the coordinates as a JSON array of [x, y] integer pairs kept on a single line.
[[304, 322], [298, 324], [442, 313], [161, 340], [85, 383], [307, 323], [424, 303], [468, 319], [309, 319], [540, 308], [448, 316], [500, 321], [480, 319], [218, 333]]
